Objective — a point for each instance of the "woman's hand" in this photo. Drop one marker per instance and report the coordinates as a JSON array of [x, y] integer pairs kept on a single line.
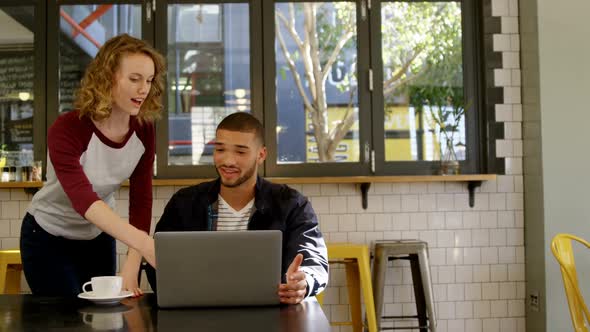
[[100, 214], [130, 272]]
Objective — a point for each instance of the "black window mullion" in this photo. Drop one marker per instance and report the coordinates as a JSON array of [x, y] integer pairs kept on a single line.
[[257, 63], [52, 62], [473, 79], [378, 109], [365, 102], [39, 117], [160, 18]]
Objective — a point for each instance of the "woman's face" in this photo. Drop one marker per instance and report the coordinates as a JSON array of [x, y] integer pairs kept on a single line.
[[133, 81]]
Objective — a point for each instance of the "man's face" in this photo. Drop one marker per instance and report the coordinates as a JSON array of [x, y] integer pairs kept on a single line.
[[237, 156]]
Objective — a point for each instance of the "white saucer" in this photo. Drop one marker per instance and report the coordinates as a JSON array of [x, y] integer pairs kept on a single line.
[[105, 299]]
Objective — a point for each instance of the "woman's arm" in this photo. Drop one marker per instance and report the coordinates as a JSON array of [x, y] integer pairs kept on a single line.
[[130, 272], [100, 214], [140, 204]]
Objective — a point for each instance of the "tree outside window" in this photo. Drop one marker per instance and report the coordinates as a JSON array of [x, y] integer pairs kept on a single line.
[[316, 50]]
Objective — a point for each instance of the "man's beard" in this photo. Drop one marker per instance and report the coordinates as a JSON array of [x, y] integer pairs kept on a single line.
[[247, 175]]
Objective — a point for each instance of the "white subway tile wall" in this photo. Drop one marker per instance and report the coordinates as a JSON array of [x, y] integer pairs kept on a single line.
[[476, 254]]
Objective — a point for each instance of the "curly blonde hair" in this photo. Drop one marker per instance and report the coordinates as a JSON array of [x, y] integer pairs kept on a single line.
[[94, 97]]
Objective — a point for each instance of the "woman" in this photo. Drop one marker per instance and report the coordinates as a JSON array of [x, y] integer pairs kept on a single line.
[[68, 234]]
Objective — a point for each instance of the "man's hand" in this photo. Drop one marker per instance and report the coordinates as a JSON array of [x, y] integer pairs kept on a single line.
[[295, 289]]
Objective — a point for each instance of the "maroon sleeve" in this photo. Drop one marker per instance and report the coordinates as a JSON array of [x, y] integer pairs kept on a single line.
[[140, 182], [67, 139]]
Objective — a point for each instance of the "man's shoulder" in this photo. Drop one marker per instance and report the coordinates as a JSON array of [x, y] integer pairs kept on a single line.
[[192, 192], [282, 192]]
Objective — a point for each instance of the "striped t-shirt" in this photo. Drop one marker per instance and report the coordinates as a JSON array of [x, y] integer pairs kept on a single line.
[[229, 219]]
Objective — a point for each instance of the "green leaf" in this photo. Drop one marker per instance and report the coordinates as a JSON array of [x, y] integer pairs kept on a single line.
[[283, 73]]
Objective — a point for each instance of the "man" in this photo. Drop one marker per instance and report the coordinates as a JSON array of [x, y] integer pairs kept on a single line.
[[240, 200]]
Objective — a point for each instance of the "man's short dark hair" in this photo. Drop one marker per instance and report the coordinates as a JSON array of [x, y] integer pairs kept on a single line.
[[243, 122]]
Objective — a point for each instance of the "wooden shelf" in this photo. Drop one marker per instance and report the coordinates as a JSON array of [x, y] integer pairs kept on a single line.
[[346, 179], [473, 181], [388, 179], [28, 184]]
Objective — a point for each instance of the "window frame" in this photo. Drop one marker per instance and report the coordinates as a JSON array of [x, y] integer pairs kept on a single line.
[[472, 86], [164, 170], [52, 58], [479, 122], [272, 167], [39, 70], [53, 39]]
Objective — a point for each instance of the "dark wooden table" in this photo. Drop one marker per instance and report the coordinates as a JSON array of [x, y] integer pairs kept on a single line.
[[32, 313]]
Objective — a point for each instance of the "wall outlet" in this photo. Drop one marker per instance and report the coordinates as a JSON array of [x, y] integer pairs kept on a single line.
[[534, 300]]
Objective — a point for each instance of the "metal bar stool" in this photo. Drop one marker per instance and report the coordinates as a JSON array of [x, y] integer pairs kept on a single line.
[[10, 271], [416, 252], [356, 260]]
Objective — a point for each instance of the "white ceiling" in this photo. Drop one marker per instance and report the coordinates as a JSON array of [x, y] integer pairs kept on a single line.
[[12, 32]]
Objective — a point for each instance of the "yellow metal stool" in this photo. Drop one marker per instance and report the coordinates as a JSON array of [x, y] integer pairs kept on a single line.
[[10, 271], [356, 260]]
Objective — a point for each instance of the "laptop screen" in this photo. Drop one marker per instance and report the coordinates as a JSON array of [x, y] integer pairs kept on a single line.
[[210, 269]]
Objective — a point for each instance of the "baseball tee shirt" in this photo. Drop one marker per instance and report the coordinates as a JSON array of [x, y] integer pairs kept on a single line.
[[84, 166]]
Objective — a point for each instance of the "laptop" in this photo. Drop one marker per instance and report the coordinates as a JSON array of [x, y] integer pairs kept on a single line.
[[215, 269]]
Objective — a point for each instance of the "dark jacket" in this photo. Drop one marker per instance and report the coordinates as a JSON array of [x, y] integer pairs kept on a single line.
[[277, 207]]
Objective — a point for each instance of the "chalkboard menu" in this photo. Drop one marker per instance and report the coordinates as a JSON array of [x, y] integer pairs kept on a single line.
[[72, 63], [16, 100], [69, 82], [16, 74]]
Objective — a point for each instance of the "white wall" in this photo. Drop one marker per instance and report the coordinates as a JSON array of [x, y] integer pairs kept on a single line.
[[557, 113], [564, 71]]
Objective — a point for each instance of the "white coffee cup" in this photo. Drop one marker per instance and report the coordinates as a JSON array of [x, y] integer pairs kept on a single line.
[[109, 286]]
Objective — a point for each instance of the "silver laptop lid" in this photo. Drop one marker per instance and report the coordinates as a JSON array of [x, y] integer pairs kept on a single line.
[[208, 269]]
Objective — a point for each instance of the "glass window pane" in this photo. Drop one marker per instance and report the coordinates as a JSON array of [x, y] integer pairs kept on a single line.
[[17, 73], [83, 30], [316, 85], [208, 75], [423, 80]]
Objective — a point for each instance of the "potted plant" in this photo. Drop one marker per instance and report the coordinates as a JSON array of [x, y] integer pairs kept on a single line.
[[2, 155], [447, 119], [446, 110]]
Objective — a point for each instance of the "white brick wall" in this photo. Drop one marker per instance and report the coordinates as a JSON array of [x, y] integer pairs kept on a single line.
[[476, 254]]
